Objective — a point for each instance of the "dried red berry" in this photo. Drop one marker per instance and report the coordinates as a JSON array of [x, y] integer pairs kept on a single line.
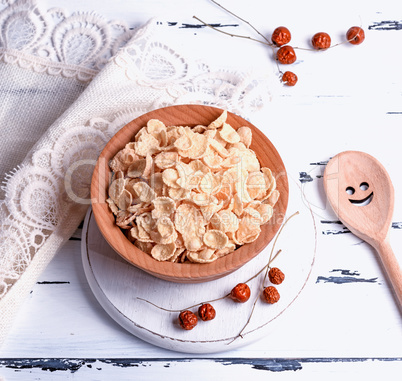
[[321, 41], [355, 35], [281, 36], [276, 276], [271, 294], [240, 293], [206, 312], [289, 78], [188, 320], [286, 55]]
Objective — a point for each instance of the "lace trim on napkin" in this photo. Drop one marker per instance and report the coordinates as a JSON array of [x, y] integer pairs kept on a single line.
[[153, 64], [41, 194], [47, 196], [51, 41]]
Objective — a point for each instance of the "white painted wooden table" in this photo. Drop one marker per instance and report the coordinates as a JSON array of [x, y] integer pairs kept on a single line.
[[346, 321]]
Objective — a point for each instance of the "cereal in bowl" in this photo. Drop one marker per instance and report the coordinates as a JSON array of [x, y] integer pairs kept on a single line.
[[190, 194]]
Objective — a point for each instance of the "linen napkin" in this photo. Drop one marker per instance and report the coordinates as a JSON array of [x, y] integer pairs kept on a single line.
[[68, 83]]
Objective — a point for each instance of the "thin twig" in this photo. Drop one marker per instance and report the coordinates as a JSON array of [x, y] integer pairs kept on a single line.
[[275, 256], [186, 308], [230, 34], [330, 47], [248, 321], [245, 37], [155, 305], [267, 265], [245, 21], [258, 296], [265, 277], [269, 43]]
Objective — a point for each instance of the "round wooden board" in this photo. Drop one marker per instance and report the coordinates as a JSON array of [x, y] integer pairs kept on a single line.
[[117, 285]]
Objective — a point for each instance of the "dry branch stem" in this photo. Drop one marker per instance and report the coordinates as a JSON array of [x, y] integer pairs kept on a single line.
[[245, 21], [230, 34], [267, 267]]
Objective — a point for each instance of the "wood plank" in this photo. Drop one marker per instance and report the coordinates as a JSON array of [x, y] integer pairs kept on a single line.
[[211, 369], [346, 323]]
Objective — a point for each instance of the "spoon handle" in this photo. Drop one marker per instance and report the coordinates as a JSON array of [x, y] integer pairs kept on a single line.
[[391, 266]]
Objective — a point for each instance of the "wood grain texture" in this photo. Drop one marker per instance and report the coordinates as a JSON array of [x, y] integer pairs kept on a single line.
[[361, 193], [342, 327], [186, 115], [257, 369]]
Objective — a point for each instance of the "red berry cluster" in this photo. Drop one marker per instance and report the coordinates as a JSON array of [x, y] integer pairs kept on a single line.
[[286, 55], [281, 37], [188, 320], [270, 293], [240, 294]]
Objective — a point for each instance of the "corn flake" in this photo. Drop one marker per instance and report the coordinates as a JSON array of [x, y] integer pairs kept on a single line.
[[192, 242], [144, 191], [245, 135], [123, 159], [113, 207], [184, 142], [248, 230], [140, 167], [228, 220], [165, 227], [178, 194], [157, 237], [212, 160], [155, 126], [147, 144], [146, 247], [198, 147], [156, 183], [163, 252], [229, 134], [210, 209], [170, 177], [116, 189], [218, 147], [163, 206], [203, 256], [219, 121], [124, 200], [165, 160], [273, 198], [215, 239], [229, 248]]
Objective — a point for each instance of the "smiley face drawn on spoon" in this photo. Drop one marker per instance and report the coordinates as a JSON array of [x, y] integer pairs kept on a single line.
[[360, 192], [362, 196]]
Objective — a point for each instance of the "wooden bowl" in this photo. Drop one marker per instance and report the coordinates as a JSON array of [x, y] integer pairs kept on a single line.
[[186, 115]]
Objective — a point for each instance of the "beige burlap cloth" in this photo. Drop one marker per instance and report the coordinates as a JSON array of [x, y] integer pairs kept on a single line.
[[68, 83]]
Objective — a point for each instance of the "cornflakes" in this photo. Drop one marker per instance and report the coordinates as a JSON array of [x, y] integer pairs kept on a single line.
[[191, 194]]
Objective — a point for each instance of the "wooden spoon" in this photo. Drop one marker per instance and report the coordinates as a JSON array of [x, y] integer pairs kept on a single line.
[[361, 194]]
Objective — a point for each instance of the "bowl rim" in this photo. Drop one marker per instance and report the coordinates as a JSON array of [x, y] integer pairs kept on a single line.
[[183, 272]]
